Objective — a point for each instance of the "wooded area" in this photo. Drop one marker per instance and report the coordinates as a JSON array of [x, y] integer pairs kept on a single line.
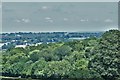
[[92, 58]]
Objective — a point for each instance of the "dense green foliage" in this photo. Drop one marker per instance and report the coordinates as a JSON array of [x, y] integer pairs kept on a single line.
[[89, 58], [106, 59]]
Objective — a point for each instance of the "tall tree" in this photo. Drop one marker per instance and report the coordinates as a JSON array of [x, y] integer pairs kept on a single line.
[[106, 59]]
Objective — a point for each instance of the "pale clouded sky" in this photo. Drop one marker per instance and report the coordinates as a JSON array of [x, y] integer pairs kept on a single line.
[[60, 0], [55, 16], [0, 17]]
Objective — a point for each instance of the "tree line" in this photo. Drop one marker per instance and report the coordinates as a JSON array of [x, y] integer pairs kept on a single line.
[[92, 58]]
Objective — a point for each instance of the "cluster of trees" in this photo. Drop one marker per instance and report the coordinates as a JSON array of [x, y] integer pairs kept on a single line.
[[10, 40], [97, 58], [45, 36]]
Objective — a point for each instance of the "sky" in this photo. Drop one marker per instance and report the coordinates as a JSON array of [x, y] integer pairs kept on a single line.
[[0, 17], [60, 0], [59, 16]]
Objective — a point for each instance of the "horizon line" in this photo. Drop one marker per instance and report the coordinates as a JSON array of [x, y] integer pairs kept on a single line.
[[59, 31], [56, 31]]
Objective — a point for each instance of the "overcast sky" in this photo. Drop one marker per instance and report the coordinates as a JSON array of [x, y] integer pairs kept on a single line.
[[60, 0], [59, 16]]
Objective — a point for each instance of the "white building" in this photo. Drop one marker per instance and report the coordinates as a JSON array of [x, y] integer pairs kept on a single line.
[[23, 46]]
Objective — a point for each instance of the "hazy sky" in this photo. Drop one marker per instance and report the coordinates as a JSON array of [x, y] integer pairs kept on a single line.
[[60, 0], [59, 16]]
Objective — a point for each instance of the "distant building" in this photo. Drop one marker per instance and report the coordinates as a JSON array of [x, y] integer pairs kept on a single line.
[[1, 44], [23, 46], [76, 38]]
